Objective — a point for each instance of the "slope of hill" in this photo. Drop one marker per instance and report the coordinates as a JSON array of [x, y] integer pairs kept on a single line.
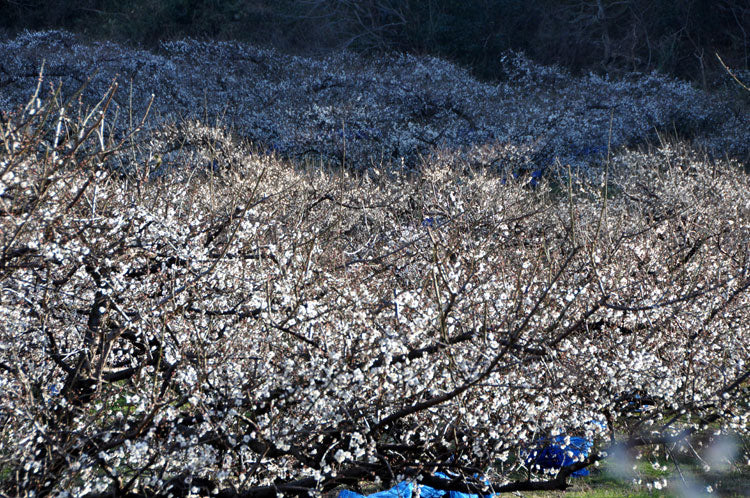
[[374, 112]]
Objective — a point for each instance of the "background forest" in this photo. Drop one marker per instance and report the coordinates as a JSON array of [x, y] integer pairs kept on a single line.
[[678, 37]]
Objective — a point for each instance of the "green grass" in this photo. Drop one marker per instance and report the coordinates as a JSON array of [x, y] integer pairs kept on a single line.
[[602, 483]]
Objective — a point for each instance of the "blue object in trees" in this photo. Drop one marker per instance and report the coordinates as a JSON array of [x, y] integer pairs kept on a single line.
[[556, 454], [551, 453], [405, 490]]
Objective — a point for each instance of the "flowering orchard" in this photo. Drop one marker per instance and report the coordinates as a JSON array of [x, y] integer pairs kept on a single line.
[[257, 328]]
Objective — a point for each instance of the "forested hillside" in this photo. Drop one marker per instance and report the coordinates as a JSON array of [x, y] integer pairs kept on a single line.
[[677, 38]]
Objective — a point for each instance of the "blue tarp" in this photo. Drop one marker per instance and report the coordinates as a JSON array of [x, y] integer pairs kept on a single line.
[[550, 454], [555, 454], [405, 489]]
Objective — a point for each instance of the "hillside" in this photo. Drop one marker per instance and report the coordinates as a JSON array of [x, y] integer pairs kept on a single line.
[[378, 110]]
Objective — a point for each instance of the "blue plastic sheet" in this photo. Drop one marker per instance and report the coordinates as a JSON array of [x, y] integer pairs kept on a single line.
[[405, 489], [549, 454], [555, 454]]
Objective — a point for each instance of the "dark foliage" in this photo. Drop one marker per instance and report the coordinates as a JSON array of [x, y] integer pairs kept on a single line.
[[677, 37]]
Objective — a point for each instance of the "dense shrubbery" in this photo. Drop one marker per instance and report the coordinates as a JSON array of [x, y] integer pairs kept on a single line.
[[369, 112], [238, 326], [678, 38]]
